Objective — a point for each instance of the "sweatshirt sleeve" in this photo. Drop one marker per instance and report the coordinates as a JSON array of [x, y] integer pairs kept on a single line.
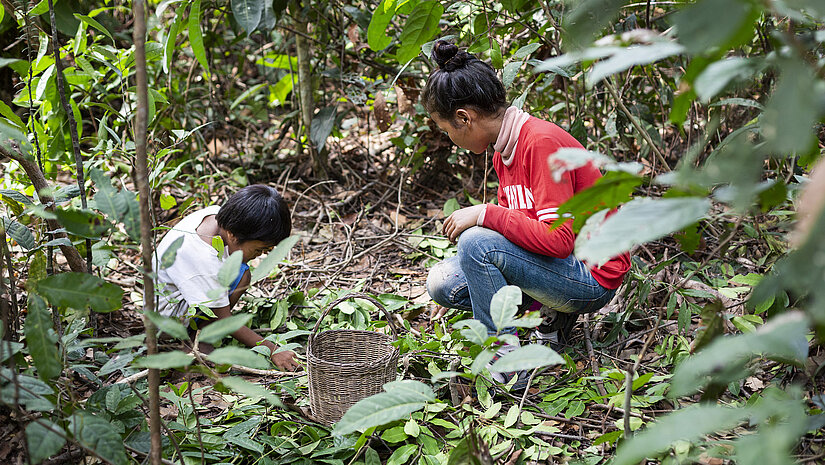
[[517, 226]]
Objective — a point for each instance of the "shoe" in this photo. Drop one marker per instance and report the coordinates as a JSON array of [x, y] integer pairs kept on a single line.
[[555, 331], [504, 377]]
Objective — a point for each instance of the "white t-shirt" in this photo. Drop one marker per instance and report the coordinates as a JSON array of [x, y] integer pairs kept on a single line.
[[194, 273]]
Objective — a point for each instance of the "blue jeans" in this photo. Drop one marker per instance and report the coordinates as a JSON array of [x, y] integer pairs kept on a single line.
[[487, 261]]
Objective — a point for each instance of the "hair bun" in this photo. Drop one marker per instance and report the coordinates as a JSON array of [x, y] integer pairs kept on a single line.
[[448, 57]]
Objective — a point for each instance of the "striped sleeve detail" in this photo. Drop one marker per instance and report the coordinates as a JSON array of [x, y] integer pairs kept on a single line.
[[547, 214]]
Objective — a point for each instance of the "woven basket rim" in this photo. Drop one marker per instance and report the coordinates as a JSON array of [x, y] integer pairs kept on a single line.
[[381, 361]]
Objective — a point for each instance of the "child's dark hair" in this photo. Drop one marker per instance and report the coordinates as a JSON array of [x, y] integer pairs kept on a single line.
[[461, 81], [256, 213]]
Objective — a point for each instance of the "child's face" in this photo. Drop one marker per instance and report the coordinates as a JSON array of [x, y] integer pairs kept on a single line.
[[251, 249]]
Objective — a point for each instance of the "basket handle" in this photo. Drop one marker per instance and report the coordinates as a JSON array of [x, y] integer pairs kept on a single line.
[[357, 295]]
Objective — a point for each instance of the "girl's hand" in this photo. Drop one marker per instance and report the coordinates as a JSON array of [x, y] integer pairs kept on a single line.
[[460, 220], [284, 361]]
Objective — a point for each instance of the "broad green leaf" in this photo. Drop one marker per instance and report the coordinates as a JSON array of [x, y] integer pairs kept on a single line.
[[421, 26], [42, 340], [106, 198], [230, 268], [625, 58], [451, 206], [92, 22], [79, 291], [783, 338], [482, 360], [277, 60], [17, 196], [247, 443], [411, 428], [719, 74], [165, 360], [195, 34], [170, 326], [248, 13], [238, 356], [44, 439], [322, 124], [504, 305], [217, 330], [171, 253], [510, 72], [169, 42], [686, 425], [99, 435], [400, 399], [589, 17], [10, 132], [526, 51], [609, 191], [639, 221], [815, 8], [512, 416], [18, 232], [84, 223], [790, 114], [709, 25], [251, 390], [377, 37], [7, 112], [30, 393], [130, 218], [273, 258], [473, 330], [167, 201], [402, 454], [526, 358]]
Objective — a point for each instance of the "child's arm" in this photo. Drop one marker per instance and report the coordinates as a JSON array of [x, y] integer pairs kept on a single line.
[[283, 360]]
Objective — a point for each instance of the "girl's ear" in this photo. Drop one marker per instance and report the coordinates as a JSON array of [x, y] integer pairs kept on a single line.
[[462, 116]]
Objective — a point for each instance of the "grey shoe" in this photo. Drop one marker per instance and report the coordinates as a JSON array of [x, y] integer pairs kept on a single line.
[[555, 330]]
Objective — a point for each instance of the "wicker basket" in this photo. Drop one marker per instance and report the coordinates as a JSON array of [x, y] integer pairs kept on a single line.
[[345, 366]]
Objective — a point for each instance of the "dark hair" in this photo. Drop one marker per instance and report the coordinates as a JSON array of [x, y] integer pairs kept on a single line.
[[256, 213], [461, 80]]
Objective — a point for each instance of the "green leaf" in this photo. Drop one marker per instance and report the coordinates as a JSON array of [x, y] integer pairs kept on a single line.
[[167, 201], [83, 223], [246, 443], [169, 42], [18, 232], [273, 258], [321, 127], [508, 75], [170, 326], [400, 399], [710, 25], [790, 114], [217, 330], [251, 390], [218, 245], [683, 425], [421, 26], [238, 356], [230, 268], [512, 416], [79, 291], [377, 37], [99, 435], [248, 13], [609, 191], [195, 34], [504, 305], [402, 454], [92, 22], [783, 338], [44, 440], [42, 340], [473, 330], [17, 196], [107, 199], [719, 74], [639, 221], [526, 358], [165, 360], [588, 18], [627, 57], [451, 206], [171, 253], [6, 111]]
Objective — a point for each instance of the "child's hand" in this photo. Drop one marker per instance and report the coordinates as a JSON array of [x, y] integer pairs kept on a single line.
[[285, 360], [460, 220]]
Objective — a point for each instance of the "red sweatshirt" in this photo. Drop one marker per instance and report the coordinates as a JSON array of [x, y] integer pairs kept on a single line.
[[528, 198]]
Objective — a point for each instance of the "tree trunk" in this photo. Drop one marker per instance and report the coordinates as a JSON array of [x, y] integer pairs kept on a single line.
[[142, 181]]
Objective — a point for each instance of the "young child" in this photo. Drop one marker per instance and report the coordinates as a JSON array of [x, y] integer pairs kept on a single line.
[[511, 243], [253, 221]]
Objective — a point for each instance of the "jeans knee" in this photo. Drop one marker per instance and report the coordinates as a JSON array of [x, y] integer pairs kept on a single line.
[[440, 284], [475, 242]]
